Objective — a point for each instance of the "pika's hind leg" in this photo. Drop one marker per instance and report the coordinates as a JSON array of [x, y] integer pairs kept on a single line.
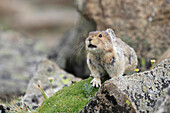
[[131, 65], [117, 70]]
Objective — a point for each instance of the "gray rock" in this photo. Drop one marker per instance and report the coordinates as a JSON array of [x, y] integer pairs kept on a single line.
[[46, 69], [163, 103], [136, 93], [18, 58]]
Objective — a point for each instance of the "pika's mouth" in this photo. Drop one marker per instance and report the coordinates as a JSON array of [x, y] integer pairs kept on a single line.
[[92, 46]]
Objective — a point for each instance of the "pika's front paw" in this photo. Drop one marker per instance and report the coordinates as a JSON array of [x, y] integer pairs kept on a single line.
[[96, 82]]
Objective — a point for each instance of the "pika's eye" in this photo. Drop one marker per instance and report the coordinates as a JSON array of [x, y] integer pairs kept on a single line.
[[100, 35]]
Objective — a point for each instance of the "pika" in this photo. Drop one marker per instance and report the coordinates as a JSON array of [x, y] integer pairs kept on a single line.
[[107, 54]]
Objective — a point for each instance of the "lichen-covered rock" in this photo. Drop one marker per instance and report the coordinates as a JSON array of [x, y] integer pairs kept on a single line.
[[163, 103], [45, 71], [136, 93], [18, 58]]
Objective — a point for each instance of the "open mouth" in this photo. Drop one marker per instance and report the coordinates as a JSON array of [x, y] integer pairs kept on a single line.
[[92, 46]]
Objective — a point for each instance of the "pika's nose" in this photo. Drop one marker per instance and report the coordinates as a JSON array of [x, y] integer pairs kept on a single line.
[[89, 39]]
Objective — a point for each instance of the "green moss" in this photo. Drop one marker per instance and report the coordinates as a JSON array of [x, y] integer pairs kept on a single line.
[[68, 99]]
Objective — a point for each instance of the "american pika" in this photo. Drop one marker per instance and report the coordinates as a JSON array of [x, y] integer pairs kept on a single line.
[[107, 54]]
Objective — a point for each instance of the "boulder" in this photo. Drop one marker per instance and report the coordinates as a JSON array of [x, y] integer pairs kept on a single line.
[[136, 93], [163, 103], [18, 58], [45, 71]]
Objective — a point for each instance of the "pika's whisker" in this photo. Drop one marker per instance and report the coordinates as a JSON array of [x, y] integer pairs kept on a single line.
[[80, 50], [77, 47], [76, 50]]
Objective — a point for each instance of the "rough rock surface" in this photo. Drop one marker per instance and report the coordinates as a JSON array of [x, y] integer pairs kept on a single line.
[[46, 69], [136, 93], [163, 103], [18, 58]]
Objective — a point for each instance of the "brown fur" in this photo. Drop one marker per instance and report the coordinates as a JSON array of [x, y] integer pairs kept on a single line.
[[106, 53]]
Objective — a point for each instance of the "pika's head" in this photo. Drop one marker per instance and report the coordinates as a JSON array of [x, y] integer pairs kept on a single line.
[[100, 41]]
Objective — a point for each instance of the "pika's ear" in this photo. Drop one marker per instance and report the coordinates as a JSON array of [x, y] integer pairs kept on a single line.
[[111, 34]]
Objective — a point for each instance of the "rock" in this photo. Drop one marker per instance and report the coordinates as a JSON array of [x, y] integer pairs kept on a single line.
[[136, 93], [144, 25], [70, 53], [165, 55], [18, 57], [46, 70], [163, 103]]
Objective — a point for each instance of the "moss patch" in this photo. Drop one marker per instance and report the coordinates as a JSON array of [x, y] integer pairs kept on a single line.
[[68, 99]]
